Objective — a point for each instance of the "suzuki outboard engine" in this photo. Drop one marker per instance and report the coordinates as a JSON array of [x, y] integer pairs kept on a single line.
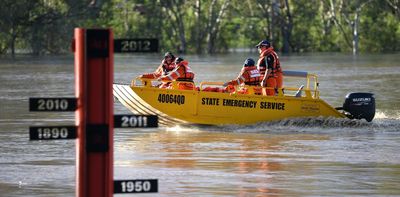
[[359, 105]]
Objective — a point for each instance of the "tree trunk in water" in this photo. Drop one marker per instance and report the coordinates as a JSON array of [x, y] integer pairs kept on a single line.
[[210, 25], [395, 5], [36, 42], [355, 32], [126, 17], [268, 15], [175, 9], [181, 30], [199, 49], [13, 46], [12, 42], [270, 20], [214, 26], [286, 27], [355, 24], [337, 22]]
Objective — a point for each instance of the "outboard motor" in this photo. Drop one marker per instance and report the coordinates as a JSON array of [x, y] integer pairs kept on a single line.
[[359, 105]]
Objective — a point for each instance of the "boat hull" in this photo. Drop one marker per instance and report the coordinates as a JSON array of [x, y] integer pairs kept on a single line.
[[175, 106]]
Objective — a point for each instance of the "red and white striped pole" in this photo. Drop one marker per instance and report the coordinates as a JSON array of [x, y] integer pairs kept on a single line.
[[94, 49]]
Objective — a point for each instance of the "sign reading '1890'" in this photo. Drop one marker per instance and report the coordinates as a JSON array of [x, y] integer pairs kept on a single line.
[[135, 45], [52, 133]]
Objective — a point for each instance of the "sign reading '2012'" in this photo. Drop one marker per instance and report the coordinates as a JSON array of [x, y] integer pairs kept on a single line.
[[135, 45]]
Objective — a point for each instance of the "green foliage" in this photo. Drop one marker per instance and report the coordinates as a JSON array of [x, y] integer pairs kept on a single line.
[[305, 37], [46, 26], [381, 32]]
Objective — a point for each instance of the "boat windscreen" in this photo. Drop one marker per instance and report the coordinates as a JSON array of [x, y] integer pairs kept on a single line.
[[291, 73]]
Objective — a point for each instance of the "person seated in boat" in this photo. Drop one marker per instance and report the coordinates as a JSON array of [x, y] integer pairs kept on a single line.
[[181, 73], [270, 68], [166, 66], [249, 75]]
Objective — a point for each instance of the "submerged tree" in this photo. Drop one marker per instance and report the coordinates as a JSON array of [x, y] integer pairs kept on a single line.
[[14, 22], [346, 13], [214, 23], [206, 26]]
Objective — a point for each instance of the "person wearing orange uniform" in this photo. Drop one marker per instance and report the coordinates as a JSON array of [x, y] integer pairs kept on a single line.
[[182, 72], [166, 66], [269, 66], [249, 75]]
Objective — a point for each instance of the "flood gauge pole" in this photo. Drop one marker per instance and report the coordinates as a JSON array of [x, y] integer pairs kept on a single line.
[[93, 51]]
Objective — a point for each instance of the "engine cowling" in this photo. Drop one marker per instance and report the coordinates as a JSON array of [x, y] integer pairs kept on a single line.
[[360, 105]]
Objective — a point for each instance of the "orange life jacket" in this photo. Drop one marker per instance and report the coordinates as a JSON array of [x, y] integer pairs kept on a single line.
[[182, 72], [163, 69], [262, 65], [249, 76], [166, 68]]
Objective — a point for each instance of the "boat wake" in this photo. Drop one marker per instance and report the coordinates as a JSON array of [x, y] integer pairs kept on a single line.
[[382, 123]]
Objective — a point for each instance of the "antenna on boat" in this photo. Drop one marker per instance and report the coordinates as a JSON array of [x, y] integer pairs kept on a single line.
[[299, 91]]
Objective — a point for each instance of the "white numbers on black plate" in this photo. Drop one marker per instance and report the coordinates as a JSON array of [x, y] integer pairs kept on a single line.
[[49, 104], [135, 186], [52, 133], [130, 45], [134, 121]]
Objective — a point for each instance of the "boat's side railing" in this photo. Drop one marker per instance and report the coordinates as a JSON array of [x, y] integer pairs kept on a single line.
[[175, 84], [250, 89], [143, 82], [138, 81], [213, 83], [311, 87], [310, 90]]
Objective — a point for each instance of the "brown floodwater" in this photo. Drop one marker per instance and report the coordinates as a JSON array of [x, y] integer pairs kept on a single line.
[[296, 157]]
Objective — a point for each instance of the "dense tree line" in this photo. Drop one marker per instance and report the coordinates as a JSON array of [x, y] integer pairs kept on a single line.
[[206, 26]]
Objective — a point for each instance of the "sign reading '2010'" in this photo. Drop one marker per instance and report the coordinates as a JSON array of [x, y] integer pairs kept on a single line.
[[52, 104]]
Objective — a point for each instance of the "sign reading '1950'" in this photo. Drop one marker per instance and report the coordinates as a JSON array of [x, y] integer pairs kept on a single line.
[[135, 45], [136, 186]]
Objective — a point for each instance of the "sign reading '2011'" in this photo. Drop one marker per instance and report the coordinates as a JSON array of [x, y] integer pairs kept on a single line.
[[52, 104], [124, 121]]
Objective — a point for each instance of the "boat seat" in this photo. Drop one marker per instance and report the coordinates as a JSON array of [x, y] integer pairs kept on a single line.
[[299, 91]]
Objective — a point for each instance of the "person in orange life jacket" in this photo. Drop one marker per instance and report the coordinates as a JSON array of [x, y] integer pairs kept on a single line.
[[249, 75], [166, 66], [181, 72], [269, 66]]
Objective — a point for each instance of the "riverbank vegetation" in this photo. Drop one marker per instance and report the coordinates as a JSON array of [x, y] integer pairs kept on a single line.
[[206, 26]]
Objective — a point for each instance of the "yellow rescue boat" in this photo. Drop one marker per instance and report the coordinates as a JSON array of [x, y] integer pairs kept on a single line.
[[175, 106]]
